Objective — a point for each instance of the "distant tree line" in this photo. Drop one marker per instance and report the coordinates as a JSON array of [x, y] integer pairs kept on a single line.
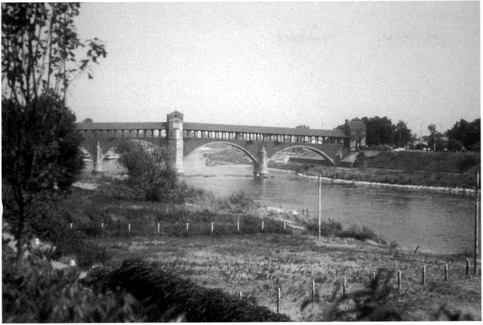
[[380, 131]]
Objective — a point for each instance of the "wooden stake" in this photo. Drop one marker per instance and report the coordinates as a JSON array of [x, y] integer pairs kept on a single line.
[[278, 300], [263, 224], [238, 226], [129, 227], [212, 228], [158, 227], [284, 225], [399, 281], [424, 275], [241, 295], [313, 291], [446, 272], [467, 267], [71, 225], [187, 226], [344, 287]]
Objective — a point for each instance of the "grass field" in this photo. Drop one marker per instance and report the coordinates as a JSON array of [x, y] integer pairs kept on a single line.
[[257, 265]]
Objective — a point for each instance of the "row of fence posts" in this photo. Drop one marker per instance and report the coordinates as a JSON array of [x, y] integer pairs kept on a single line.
[[344, 283], [187, 226]]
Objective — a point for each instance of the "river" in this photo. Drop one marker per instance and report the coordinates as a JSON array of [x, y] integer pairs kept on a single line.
[[436, 222]]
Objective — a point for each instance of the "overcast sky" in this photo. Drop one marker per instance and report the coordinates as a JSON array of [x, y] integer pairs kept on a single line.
[[283, 64]]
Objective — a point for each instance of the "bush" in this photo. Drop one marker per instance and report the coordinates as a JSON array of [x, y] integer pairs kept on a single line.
[[52, 226], [35, 293], [166, 297], [151, 176]]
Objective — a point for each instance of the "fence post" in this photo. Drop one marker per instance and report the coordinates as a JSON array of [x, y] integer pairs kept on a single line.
[[158, 227], [240, 295], [102, 226], [446, 272], [278, 301], [424, 275], [129, 227], [284, 225], [187, 226], [71, 225], [313, 291], [399, 281], [212, 228], [263, 224], [344, 287], [467, 267], [238, 226]]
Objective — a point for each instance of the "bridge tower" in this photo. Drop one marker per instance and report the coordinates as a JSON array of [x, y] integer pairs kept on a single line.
[[175, 139], [261, 167]]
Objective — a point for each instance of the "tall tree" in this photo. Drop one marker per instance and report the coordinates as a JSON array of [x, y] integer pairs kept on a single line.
[[39, 42], [402, 134], [466, 133], [39, 142]]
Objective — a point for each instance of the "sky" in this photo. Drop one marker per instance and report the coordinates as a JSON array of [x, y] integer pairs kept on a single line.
[[283, 64]]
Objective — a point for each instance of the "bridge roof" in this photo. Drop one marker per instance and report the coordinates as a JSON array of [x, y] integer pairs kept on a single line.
[[263, 130], [122, 126], [212, 127]]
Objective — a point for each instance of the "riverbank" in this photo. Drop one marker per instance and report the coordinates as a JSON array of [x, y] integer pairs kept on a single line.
[[461, 191], [439, 171], [201, 243]]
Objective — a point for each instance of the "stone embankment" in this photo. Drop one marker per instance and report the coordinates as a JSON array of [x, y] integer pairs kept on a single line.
[[451, 190]]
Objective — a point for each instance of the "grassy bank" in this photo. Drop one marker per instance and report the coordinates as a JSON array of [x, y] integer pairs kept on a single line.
[[257, 265]]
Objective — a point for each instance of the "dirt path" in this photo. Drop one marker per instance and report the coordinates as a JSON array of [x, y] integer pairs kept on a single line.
[[257, 265]]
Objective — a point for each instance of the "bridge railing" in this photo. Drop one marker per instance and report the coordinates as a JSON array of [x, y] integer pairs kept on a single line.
[[139, 133], [246, 136]]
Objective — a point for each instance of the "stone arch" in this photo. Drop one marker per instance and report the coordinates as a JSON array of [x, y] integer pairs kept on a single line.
[[228, 143], [108, 146], [320, 152]]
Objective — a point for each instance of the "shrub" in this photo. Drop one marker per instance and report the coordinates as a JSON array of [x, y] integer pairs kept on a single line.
[[35, 293], [151, 176], [52, 226], [165, 297]]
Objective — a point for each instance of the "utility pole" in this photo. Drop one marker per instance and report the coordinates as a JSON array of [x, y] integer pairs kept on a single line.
[[476, 223]]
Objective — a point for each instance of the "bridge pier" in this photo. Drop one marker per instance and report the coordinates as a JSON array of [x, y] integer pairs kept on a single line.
[[97, 161], [261, 166]]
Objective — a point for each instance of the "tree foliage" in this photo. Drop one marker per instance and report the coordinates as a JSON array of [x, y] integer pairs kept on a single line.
[[40, 155], [39, 140], [380, 131], [39, 43], [466, 134], [151, 175]]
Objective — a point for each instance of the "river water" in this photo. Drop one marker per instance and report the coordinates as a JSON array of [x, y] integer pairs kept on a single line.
[[436, 222]]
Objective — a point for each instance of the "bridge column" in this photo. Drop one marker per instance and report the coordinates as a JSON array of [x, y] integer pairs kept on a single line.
[[261, 167], [175, 139], [97, 168]]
